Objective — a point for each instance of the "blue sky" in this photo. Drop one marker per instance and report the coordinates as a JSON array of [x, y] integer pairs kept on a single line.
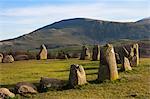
[[18, 17]]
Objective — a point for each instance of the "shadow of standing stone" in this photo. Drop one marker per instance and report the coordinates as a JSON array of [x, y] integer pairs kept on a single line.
[[77, 75], [108, 65]]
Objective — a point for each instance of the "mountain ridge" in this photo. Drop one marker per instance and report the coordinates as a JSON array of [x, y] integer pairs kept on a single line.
[[79, 31]]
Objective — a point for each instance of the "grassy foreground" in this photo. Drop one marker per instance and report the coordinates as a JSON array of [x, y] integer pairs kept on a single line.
[[132, 84]]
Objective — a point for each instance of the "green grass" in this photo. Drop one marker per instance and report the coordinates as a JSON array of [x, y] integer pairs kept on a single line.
[[135, 82]]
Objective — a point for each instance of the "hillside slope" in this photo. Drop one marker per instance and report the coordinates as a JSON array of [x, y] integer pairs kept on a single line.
[[79, 31]]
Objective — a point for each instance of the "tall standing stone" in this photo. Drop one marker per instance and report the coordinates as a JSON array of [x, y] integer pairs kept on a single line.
[[8, 59], [43, 52], [1, 57], [96, 53], [134, 55], [108, 65], [77, 75], [126, 64], [85, 54]]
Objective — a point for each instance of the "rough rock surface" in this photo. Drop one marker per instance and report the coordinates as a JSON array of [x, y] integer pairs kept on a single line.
[[85, 54], [108, 65], [25, 88], [77, 75], [126, 64], [134, 55], [5, 93], [8, 59], [43, 52]]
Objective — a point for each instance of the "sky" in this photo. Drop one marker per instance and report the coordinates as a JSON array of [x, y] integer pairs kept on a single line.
[[18, 17]]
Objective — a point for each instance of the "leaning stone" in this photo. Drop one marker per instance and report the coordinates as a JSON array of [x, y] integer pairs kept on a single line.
[[77, 75], [25, 88], [96, 53], [85, 54], [8, 59], [108, 65], [126, 64], [123, 52], [1, 57], [6, 94], [43, 52], [50, 83]]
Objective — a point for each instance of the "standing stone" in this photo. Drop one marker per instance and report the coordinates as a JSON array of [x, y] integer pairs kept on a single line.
[[1, 57], [126, 64], [8, 59], [6, 94], [77, 75], [96, 53], [108, 65], [85, 54], [118, 60], [123, 52], [43, 52], [134, 55]]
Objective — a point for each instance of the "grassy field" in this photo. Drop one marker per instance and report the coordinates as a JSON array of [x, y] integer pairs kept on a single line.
[[132, 84]]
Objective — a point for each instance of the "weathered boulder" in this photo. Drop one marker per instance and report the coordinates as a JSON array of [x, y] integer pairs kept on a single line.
[[1, 57], [43, 52], [134, 55], [77, 75], [126, 64], [6, 94], [85, 54], [96, 53], [108, 65], [8, 59], [25, 88], [50, 83], [21, 57]]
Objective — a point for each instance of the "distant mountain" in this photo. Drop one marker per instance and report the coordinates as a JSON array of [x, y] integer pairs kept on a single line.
[[79, 31]]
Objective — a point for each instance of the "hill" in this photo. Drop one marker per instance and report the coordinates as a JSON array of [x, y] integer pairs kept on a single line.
[[79, 31]]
